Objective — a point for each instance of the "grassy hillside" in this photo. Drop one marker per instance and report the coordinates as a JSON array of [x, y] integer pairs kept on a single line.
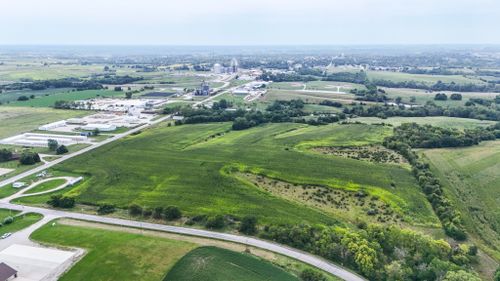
[[424, 78], [193, 167], [439, 121], [472, 176], [216, 264]]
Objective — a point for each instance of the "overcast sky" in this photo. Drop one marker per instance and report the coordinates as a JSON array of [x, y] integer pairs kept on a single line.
[[249, 22]]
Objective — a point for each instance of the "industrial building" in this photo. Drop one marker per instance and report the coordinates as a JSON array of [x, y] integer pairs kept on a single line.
[[41, 140], [100, 127], [204, 89], [232, 68]]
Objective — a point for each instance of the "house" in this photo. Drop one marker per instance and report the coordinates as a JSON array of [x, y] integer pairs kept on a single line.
[[7, 272]]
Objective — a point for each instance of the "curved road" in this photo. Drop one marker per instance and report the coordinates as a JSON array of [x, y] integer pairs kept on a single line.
[[280, 249]]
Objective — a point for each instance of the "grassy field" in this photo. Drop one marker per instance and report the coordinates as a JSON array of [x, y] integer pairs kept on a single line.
[[48, 185], [20, 222], [216, 264], [113, 255], [189, 166], [17, 120], [424, 78], [37, 71], [440, 121], [472, 177], [50, 99], [421, 96], [308, 97]]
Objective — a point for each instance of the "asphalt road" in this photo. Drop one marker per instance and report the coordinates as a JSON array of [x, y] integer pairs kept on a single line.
[[270, 246]]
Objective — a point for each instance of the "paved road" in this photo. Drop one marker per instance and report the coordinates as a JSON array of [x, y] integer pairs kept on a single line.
[[280, 249]]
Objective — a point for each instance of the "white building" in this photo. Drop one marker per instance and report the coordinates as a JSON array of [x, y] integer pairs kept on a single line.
[[100, 127], [51, 126], [218, 68]]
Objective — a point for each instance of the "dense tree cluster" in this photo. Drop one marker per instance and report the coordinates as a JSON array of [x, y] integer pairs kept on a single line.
[[5, 155], [440, 96], [78, 84], [427, 136], [439, 86], [60, 201], [331, 103], [371, 93], [378, 252], [277, 112], [29, 158], [430, 109]]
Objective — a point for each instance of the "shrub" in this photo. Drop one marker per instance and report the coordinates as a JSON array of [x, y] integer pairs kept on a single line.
[[248, 225], [29, 158], [172, 213], [135, 210], [106, 209], [52, 144], [8, 220], [158, 213], [312, 275], [23, 98], [5, 155], [215, 222], [59, 201], [61, 150]]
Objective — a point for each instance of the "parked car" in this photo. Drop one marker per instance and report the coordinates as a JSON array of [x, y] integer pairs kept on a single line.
[[6, 235]]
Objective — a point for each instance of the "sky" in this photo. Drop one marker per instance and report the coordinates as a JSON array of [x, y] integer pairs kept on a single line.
[[249, 22]]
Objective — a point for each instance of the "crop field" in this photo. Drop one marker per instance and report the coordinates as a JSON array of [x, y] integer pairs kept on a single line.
[[471, 175], [421, 96], [316, 85], [49, 100], [12, 96], [17, 120], [216, 264], [193, 167], [114, 255], [439, 121], [425, 78]]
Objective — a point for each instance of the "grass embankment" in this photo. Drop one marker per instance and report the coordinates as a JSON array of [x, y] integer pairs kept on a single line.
[[216, 264], [187, 166]]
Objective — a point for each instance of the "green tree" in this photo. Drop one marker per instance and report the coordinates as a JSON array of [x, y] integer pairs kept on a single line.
[[215, 222], [172, 213], [461, 275], [311, 275], [61, 149], [96, 132], [52, 144], [496, 276], [128, 95], [248, 225]]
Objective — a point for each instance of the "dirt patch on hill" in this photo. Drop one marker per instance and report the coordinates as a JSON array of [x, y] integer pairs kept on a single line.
[[370, 153]]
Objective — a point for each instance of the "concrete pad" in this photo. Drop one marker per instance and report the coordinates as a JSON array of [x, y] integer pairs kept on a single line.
[[35, 263]]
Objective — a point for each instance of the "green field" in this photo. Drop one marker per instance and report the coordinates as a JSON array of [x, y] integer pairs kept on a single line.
[[424, 78], [17, 120], [440, 121], [472, 177], [190, 167], [48, 185], [20, 221], [113, 255], [216, 264], [37, 71], [308, 97], [421, 96], [49, 100]]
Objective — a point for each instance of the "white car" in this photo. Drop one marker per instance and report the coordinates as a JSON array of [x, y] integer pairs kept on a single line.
[[6, 235]]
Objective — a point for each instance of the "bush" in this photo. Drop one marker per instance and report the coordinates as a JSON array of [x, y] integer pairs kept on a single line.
[[312, 275], [52, 144], [8, 220], [59, 201], [106, 209], [61, 150], [248, 225], [5, 155], [215, 222], [135, 210], [456, 97], [440, 96], [496, 277], [172, 213], [158, 213], [23, 98], [29, 158]]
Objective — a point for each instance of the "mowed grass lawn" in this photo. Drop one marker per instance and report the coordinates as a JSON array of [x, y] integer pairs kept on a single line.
[[189, 166], [20, 222], [15, 120], [45, 186], [216, 264], [472, 176], [114, 255]]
